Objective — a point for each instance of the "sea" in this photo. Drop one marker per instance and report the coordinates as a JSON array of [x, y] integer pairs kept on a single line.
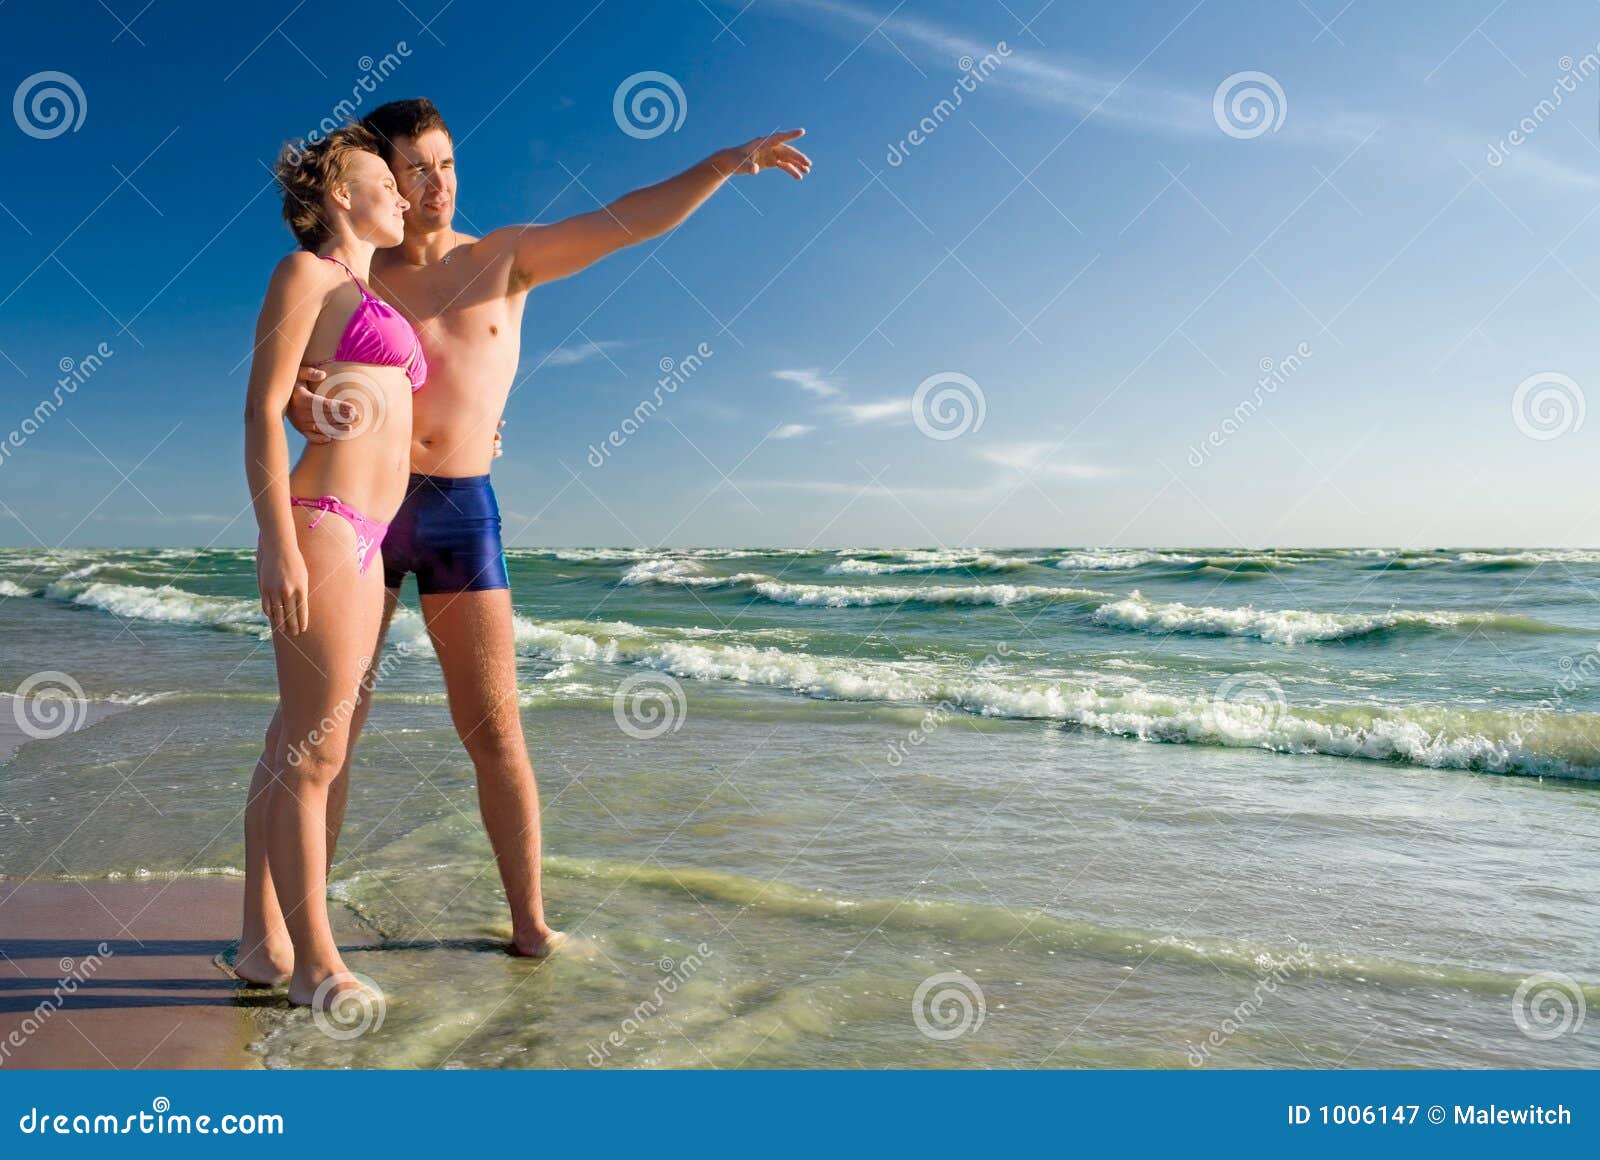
[[894, 807]]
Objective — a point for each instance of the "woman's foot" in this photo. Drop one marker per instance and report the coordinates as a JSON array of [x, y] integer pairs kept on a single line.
[[539, 944], [263, 964], [323, 989]]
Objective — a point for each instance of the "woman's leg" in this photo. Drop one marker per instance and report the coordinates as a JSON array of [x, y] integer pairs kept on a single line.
[[266, 955], [319, 678]]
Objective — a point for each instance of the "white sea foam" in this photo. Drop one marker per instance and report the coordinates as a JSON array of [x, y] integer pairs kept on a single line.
[[844, 596], [932, 561], [1290, 625], [8, 588], [1422, 737], [166, 604], [1117, 559], [1547, 556]]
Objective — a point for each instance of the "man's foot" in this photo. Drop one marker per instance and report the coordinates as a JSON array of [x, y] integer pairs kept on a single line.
[[539, 944], [263, 965]]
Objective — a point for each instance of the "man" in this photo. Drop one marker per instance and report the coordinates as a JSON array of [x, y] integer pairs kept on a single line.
[[464, 295]]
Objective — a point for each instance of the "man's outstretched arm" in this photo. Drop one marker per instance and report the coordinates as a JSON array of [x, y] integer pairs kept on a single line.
[[545, 253]]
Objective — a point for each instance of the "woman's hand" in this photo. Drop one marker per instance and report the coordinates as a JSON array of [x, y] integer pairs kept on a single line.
[[498, 450], [285, 589]]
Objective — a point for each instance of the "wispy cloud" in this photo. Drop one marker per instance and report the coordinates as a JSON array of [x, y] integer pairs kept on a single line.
[[885, 411], [1035, 458], [1052, 79], [810, 381], [790, 430], [578, 352]]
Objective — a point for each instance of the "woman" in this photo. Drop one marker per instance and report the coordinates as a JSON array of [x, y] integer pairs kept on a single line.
[[321, 526]]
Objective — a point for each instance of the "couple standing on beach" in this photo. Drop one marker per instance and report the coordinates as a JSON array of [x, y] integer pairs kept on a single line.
[[409, 331]]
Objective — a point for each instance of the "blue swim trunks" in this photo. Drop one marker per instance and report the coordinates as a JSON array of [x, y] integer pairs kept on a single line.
[[447, 531]]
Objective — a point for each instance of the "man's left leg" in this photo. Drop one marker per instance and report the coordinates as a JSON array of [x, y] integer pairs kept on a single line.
[[474, 637]]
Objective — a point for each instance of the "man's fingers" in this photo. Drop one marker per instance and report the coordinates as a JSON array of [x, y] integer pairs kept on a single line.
[[789, 134]]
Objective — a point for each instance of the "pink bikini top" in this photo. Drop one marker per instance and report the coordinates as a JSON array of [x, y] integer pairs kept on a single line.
[[379, 336]]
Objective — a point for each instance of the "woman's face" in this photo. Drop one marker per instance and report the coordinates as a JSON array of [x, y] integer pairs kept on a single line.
[[377, 211]]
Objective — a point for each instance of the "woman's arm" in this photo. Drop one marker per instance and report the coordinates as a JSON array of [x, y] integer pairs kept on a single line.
[[294, 299]]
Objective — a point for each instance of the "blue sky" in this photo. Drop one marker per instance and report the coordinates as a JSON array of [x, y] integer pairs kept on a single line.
[[1081, 238]]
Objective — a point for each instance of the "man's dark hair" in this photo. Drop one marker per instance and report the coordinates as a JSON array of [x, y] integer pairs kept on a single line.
[[408, 118]]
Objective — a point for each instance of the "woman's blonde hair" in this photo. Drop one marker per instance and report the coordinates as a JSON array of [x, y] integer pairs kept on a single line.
[[306, 172]]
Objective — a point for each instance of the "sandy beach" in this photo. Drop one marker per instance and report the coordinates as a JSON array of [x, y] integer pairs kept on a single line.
[[133, 965]]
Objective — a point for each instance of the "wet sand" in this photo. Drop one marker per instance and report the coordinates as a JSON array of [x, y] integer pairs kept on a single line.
[[97, 974]]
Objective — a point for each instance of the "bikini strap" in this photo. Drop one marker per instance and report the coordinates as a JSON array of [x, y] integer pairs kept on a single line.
[[347, 270]]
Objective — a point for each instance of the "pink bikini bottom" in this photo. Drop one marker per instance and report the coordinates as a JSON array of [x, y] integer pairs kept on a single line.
[[369, 533]]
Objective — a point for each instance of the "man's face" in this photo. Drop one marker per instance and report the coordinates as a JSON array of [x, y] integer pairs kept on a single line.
[[425, 171]]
